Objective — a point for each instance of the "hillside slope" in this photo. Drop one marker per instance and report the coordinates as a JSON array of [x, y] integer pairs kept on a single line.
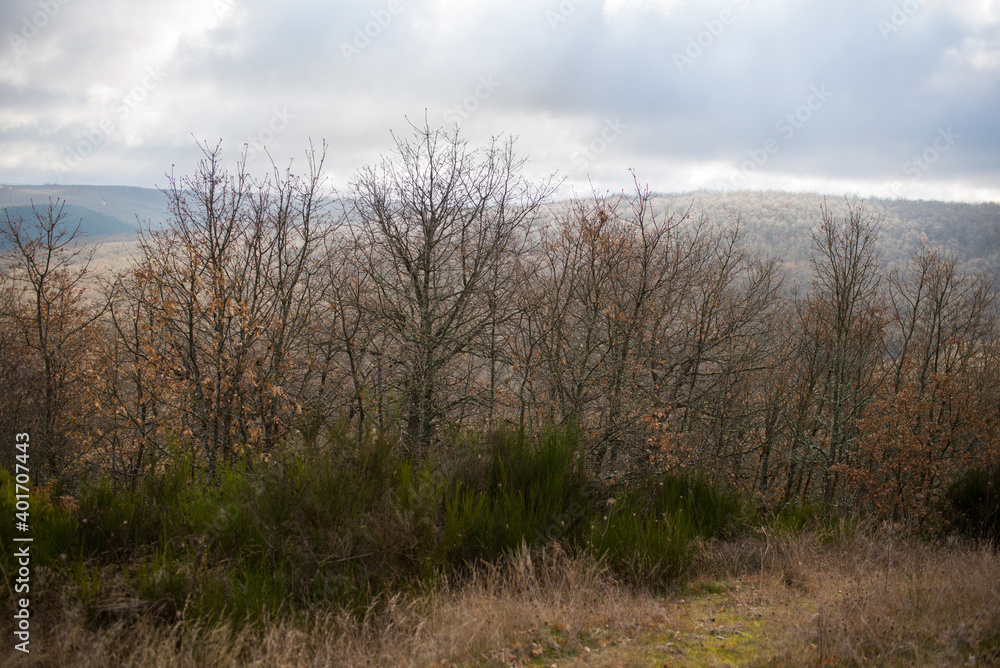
[[92, 223], [774, 223], [780, 224], [123, 203]]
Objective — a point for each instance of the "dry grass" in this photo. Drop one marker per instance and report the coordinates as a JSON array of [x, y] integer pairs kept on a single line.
[[551, 605], [871, 598], [780, 600], [913, 605]]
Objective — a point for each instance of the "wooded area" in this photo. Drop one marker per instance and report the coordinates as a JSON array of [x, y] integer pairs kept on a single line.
[[438, 297]]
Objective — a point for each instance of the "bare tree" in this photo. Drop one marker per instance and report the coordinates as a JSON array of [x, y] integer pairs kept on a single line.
[[842, 324], [642, 317], [934, 417], [350, 344], [941, 317], [610, 272], [226, 286], [19, 398], [49, 267], [437, 223]]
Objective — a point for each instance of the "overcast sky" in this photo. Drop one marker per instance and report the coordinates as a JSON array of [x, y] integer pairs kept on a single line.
[[867, 97]]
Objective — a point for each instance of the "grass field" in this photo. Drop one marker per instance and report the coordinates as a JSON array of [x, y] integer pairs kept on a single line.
[[771, 600], [504, 556]]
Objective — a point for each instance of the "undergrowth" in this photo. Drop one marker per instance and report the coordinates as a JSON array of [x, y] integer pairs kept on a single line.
[[347, 526], [501, 547]]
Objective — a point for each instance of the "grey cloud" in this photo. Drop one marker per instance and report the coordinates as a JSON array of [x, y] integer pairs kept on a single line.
[[557, 62]]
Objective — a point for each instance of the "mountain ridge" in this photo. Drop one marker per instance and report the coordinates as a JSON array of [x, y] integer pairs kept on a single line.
[[774, 223]]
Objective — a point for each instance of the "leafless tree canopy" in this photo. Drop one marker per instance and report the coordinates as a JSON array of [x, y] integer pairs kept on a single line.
[[445, 292], [438, 227]]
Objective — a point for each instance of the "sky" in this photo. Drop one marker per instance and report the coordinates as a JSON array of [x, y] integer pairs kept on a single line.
[[872, 98]]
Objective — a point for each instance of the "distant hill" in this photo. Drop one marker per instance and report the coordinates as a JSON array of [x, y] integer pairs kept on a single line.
[[780, 225], [123, 203], [92, 223], [777, 224]]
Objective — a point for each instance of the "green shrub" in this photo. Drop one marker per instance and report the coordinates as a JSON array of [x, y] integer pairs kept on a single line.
[[532, 491], [793, 518], [349, 525], [973, 505], [649, 533], [307, 529], [51, 526], [166, 580]]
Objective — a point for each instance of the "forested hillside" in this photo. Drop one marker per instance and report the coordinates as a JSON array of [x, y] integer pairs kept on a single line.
[[282, 404], [92, 223], [445, 292], [773, 223], [780, 225]]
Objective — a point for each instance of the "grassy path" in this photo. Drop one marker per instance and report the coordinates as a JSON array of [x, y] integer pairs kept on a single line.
[[708, 624], [714, 630]]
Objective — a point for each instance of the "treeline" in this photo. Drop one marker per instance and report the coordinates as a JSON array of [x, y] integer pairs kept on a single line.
[[780, 224], [438, 297]]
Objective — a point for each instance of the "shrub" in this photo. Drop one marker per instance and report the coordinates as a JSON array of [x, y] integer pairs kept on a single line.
[[50, 523], [973, 504], [649, 533], [532, 491]]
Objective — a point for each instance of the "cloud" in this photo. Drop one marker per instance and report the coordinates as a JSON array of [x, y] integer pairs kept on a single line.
[[698, 87], [629, 9]]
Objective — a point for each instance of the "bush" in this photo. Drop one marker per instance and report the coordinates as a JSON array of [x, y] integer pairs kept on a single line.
[[350, 526], [973, 505], [50, 523], [649, 533], [532, 491]]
